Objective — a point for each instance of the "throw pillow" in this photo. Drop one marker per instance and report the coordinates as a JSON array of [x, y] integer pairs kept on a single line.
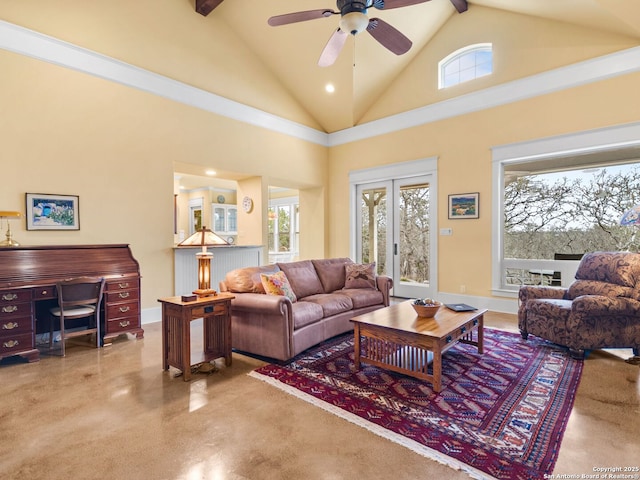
[[277, 284], [359, 275]]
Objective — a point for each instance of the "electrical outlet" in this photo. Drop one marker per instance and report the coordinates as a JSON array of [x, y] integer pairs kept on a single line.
[[463, 289]]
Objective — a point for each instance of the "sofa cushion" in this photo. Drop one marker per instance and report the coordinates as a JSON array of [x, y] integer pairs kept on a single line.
[[363, 297], [247, 280], [360, 275], [277, 284], [306, 313], [331, 272], [331, 303], [302, 277], [622, 268]]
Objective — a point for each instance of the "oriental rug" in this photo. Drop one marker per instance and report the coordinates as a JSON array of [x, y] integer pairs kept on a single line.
[[501, 414]]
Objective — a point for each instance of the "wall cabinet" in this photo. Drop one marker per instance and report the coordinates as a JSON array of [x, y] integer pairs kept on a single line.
[[224, 219]]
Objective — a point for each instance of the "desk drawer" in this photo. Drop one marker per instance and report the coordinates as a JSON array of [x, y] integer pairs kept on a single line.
[[122, 284], [123, 295], [15, 343], [122, 324], [44, 293], [10, 297], [119, 310], [10, 310], [15, 326]]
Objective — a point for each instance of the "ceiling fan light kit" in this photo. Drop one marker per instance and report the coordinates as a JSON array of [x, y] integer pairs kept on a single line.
[[354, 23]]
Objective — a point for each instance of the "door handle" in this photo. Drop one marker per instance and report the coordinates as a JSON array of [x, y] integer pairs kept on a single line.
[[395, 248]]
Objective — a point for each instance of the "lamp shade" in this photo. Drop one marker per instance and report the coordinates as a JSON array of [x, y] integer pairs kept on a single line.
[[203, 238], [631, 217]]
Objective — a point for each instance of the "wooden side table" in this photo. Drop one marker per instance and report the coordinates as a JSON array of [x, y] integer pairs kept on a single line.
[[177, 315]]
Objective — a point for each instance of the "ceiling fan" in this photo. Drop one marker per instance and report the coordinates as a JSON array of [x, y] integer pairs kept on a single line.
[[354, 20]]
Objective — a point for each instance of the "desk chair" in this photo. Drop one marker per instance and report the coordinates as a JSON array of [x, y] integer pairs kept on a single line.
[[78, 298]]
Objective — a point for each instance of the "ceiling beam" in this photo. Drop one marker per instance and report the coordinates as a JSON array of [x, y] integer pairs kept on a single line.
[[205, 7], [461, 5]]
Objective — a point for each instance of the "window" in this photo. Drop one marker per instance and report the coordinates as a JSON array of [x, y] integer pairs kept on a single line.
[[283, 221], [560, 197], [465, 64], [567, 211]]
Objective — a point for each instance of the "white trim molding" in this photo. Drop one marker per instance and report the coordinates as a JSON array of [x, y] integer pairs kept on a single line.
[[27, 42], [43, 47], [589, 71]]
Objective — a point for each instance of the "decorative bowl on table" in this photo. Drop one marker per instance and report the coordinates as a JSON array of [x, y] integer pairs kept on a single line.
[[426, 307]]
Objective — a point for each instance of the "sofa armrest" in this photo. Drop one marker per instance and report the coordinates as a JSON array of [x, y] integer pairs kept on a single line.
[[384, 284], [260, 302], [529, 292]]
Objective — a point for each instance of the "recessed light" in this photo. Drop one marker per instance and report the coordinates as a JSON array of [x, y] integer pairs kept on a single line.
[[329, 88], [210, 172]]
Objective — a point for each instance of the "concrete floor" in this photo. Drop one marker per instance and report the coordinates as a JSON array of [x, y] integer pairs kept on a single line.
[[115, 414]]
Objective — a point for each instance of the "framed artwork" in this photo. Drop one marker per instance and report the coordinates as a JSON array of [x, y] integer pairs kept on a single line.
[[52, 212], [464, 205]]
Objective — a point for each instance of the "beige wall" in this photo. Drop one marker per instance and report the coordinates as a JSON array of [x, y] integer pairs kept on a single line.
[[463, 147], [69, 133]]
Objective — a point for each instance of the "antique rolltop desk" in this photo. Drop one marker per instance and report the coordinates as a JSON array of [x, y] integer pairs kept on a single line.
[[28, 277]]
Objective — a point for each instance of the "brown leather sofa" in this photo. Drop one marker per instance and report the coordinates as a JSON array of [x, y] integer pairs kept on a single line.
[[600, 309], [274, 326]]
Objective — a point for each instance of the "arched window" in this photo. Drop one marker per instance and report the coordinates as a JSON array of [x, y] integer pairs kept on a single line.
[[465, 64]]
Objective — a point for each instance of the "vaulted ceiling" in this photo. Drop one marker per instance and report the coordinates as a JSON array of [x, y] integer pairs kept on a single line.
[[234, 53], [364, 68]]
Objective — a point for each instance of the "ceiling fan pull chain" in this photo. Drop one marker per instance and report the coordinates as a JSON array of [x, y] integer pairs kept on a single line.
[[354, 52]]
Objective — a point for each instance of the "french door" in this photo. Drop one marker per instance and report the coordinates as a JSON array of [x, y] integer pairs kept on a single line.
[[395, 223]]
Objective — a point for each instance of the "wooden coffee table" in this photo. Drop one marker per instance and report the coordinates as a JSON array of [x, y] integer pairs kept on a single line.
[[397, 339]]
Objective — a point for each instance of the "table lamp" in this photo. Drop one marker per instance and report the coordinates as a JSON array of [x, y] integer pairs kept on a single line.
[[9, 242], [203, 238]]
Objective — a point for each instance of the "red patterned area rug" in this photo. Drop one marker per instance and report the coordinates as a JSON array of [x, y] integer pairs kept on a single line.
[[499, 415]]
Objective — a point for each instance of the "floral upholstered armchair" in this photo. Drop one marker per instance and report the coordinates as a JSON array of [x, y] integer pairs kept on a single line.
[[601, 309]]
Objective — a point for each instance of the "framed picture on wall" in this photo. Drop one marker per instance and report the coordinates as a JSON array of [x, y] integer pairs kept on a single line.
[[464, 205], [52, 212]]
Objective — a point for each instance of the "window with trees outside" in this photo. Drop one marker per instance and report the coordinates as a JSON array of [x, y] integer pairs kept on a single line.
[[283, 221], [465, 64], [554, 215]]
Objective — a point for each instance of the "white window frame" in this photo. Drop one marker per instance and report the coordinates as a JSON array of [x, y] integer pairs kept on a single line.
[[461, 52], [293, 203], [616, 138]]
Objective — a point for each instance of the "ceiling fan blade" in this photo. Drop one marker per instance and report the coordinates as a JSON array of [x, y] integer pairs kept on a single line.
[[389, 4], [461, 5], [388, 36], [333, 48], [295, 17], [205, 7]]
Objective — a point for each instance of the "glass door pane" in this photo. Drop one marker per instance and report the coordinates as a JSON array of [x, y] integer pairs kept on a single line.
[[412, 237], [372, 217]]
